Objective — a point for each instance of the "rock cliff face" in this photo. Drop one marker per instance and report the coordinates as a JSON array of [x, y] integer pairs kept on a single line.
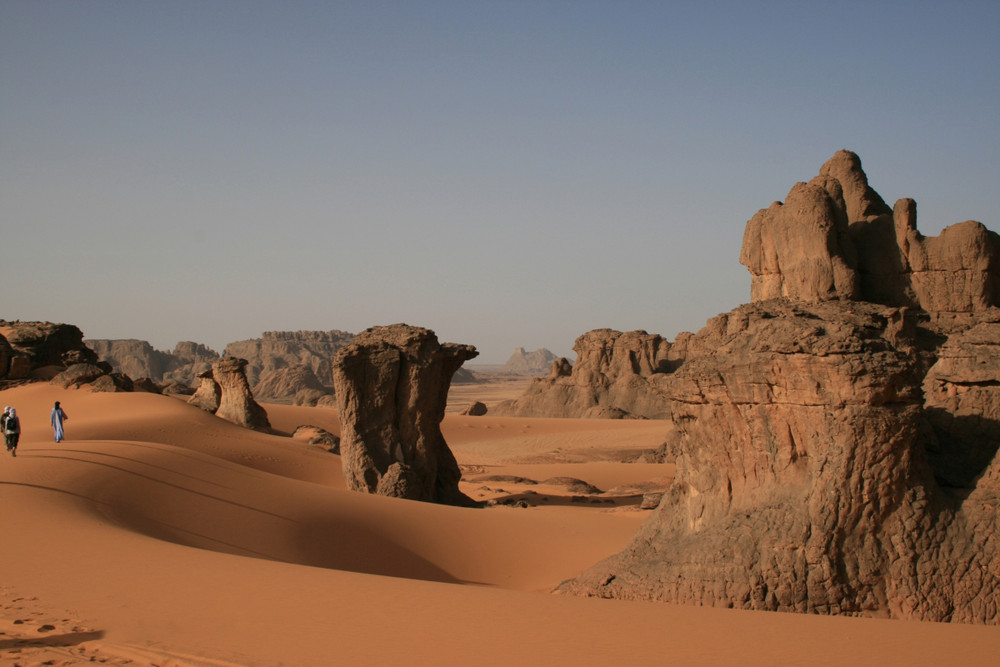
[[834, 455], [391, 387], [523, 362], [287, 382], [138, 359], [281, 349]]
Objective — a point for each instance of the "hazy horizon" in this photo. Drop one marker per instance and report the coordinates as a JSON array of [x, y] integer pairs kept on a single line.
[[508, 174]]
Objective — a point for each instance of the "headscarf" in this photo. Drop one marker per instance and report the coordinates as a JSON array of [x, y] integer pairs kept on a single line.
[[12, 412], [7, 410]]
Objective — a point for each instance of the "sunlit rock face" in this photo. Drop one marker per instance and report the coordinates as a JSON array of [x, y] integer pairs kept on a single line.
[[391, 387]]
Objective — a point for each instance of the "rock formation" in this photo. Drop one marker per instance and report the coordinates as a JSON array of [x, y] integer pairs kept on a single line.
[[834, 237], [225, 392], [834, 454], [614, 376], [281, 349], [137, 358], [286, 383], [391, 387], [40, 350], [528, 363]]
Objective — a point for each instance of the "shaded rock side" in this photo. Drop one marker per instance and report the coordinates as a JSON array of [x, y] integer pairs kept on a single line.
[[282, 349], [391, 387], [40, 350], [834, 237], [615, 375], [803, 480]]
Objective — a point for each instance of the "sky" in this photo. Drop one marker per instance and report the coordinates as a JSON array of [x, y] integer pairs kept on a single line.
[[508, 174]]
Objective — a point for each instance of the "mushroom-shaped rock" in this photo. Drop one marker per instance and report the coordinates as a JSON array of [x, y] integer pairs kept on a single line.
[[236, 403], [391, 387]]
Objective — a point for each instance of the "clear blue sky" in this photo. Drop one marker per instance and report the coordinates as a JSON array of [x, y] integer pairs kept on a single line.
[[505, 173]]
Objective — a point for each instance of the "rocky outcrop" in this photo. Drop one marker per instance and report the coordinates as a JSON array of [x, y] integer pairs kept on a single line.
[[287, 383], [225, 392], [95, 377], [804, 480], [523, 362], [282, 349], [40, 350], [834, 237], [615, 375], [137, 358], [836, 439], [391, 387]]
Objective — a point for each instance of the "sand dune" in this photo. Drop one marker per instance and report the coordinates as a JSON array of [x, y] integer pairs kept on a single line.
[[158, 534]]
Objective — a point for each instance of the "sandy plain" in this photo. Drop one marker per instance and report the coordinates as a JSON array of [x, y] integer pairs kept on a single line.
[[157, 534]]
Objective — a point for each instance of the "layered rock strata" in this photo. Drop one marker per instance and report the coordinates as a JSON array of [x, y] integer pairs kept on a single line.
[[391, 386], [275, 350]]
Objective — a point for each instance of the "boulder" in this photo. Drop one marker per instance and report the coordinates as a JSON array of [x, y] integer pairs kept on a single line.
[[475, 409], [314, 435], [391, 387]]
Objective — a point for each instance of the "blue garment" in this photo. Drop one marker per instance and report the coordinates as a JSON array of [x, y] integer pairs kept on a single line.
[[57, 419]]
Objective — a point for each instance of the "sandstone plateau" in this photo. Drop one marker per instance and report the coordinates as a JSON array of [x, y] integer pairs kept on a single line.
[[836, 439], [392, 387]]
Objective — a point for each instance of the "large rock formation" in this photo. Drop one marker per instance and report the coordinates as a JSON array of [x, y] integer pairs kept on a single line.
[[282, 349], [523, 362], [392, 386], [40, 350], [615, 375], [138, 359], [834, 237], [834, 455], [224, 391]]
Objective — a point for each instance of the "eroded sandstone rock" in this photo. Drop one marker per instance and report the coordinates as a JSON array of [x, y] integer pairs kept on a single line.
[[391, 388], [614, 376], [803, 481], [236, 403], [225, 392], [835, 237]]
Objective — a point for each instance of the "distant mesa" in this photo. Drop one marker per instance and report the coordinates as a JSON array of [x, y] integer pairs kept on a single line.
[[392, 387], [283, 349], [528, 363], [138, 359], [281, 365]]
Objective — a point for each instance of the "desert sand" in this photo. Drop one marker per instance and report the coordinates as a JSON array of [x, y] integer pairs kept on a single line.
[[157, 534]]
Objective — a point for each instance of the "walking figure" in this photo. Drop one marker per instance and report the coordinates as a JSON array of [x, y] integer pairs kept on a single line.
[[11, 430], [58, 417]]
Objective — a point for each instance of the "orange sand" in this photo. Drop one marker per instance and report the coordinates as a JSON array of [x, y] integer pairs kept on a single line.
[[157, 534]]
